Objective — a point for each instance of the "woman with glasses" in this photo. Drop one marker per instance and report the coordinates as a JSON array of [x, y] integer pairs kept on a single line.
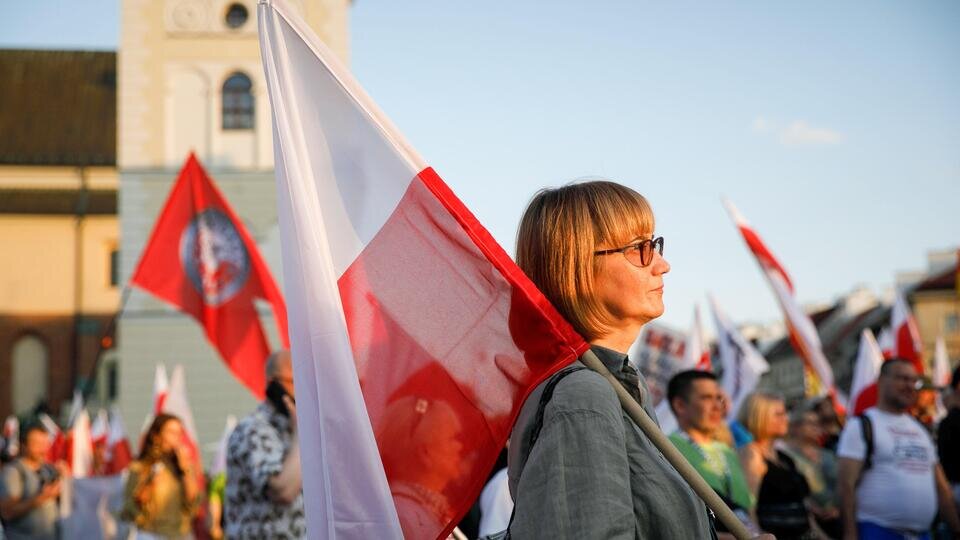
[[578, 466]]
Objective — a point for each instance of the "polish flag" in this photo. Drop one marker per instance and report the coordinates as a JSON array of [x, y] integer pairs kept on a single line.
[[907, 344], [415, 337], [802, 332], [100, 428], [219, 464], [696, 355], [11, 435], [866, 370], [58, 442], [81, 446], [177, 404], [160, 388], [886, 343], [742, 362], [941, 375], [119, 454]]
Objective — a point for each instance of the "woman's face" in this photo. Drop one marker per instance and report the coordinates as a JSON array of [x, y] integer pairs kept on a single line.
[[778, 422], [171, 436], [632, 295]]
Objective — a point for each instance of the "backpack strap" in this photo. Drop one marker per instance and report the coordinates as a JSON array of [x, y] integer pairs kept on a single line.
[[866, 430], [537, 426]]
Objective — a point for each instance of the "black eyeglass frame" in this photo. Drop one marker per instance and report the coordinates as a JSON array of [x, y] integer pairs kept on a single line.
[[655, 244]]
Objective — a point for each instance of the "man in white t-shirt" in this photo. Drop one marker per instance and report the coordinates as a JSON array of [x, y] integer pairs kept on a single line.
[[895, 490]]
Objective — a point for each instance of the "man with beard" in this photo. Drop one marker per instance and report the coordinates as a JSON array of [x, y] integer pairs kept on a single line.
[[890, 481]]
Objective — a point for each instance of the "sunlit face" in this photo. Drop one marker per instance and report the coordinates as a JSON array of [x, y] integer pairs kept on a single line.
[[632, 295], [170, 436], [703, 409]]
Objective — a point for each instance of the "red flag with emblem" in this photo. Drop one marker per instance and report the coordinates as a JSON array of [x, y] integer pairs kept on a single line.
[[201, 259]]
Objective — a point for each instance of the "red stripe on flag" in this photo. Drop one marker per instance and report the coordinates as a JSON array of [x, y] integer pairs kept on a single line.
[[759, 249], [449, 336]]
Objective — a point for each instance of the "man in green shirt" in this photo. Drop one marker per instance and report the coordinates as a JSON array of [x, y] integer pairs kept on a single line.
[[696, 401]]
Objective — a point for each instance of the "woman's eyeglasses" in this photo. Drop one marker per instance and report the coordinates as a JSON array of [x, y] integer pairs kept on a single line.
[[639, 254]]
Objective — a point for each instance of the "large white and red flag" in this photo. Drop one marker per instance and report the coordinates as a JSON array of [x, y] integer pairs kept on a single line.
[[866, 370], [415, 337], [801, 330], [100, 428], [907, 344], [742, 362]]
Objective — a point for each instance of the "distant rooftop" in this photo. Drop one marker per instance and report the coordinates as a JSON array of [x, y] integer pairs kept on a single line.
[[58, 107]]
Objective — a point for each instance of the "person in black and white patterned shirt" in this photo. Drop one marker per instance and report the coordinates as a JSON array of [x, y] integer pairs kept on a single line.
[[264, 498]]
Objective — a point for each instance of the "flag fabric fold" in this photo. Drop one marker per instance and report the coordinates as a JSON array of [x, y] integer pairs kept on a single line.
[[801, 330], [866, 370], [742, 363], [906, 336], [201, 259], [696, 353], [119, 453], [415, 337]]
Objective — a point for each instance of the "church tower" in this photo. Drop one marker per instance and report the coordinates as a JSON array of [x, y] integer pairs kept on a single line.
[[190, 79]]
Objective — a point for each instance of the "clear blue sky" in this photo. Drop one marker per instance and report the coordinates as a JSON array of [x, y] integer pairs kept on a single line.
[[834, 127]]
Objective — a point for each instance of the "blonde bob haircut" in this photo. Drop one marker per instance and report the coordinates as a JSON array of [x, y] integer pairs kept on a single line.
[[756, 412], [559, 233]]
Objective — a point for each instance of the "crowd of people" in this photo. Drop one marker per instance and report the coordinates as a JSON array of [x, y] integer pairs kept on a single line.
[[577, 465], [165, 494]]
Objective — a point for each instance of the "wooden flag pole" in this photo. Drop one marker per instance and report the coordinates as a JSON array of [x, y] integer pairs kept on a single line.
[[652, 431]]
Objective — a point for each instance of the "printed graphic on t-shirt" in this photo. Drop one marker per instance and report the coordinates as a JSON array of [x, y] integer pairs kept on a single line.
[[910, 454]]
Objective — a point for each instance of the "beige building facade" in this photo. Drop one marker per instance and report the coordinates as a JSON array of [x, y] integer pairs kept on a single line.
[[190, 79]]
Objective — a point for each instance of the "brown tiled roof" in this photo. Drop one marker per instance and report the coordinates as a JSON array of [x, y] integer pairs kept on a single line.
[[58, 107], [945, 280]]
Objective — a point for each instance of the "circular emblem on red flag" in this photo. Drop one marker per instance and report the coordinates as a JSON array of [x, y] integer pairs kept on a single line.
[[214, 257]]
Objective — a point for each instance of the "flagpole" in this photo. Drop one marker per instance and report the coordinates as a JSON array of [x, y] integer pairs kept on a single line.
[[650, 429], [105, 338]]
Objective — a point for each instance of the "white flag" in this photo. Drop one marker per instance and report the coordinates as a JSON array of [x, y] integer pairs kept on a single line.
[[742, 362]]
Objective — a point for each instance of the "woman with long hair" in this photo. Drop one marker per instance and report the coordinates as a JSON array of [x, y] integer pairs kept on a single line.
[[578, 466], [779, 488], [161, 496]]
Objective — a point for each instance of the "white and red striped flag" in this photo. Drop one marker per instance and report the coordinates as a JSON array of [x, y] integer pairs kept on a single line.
[[100, 428], [886, 342], [119, 453], [58, 441], [801, 330], [415, 337], [696, 355], [177, 404], [742, 362], [941, 375], [81, 446], [11, 436], [866, 370], [907, 344], [161, 386]]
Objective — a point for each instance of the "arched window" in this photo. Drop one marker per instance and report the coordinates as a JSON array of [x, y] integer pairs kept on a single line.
[[238, 102], [30, 363]]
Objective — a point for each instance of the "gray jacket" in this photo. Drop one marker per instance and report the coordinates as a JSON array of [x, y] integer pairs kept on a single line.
[[592, 473]]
